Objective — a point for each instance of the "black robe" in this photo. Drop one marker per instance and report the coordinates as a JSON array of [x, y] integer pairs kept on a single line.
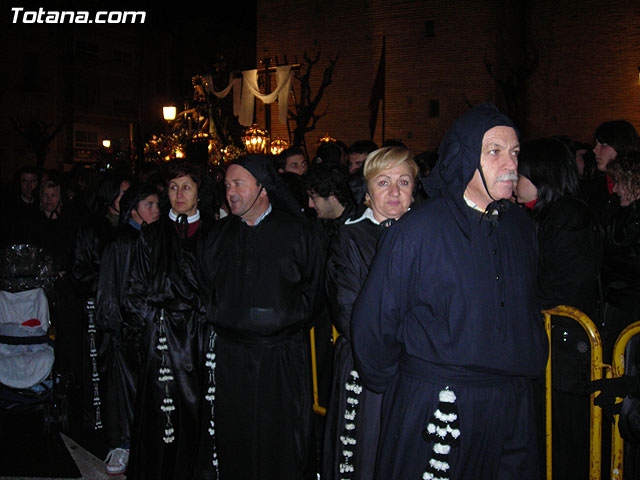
[[264, 280], [118, 355], [347, 268], [163, 281]]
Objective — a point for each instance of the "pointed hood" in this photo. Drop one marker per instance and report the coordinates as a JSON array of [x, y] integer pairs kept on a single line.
[[459, 158]]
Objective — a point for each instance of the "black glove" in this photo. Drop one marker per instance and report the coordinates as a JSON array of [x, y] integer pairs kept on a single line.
[[610, 389]]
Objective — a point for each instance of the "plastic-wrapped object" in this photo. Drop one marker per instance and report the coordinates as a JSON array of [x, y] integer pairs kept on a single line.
[[25, 267], [26, 358]]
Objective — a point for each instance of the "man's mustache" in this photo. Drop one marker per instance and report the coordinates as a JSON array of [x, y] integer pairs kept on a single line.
[[508, 177]]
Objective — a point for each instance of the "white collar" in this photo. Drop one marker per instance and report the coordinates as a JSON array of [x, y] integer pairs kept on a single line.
[[192, 219], [367, 215]]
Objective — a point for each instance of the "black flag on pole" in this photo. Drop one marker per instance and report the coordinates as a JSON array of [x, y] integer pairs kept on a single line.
[[377, 93]]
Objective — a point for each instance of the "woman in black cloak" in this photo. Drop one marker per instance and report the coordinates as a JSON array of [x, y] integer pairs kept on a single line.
[[353, 415], [117, 355], [169, 435], [569, 259]]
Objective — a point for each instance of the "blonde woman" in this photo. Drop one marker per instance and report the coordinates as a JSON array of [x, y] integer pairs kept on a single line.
[[352, 428]]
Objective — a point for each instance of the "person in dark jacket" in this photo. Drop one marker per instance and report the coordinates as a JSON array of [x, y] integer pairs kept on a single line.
[[96, 233], [448, 326], [264, 266], [351, 432], [21, 207], [610, 139], [569, 259], [118, 356], [621, 261], [93, 235], [169, 438], [621, 281]]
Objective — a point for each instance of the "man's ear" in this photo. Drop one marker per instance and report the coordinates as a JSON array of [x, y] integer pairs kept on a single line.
[[281, 170]]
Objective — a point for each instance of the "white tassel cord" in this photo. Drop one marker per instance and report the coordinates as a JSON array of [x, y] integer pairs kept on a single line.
[[165, 375], [90, 308], [210, 363], [348, 440], [443, 430]]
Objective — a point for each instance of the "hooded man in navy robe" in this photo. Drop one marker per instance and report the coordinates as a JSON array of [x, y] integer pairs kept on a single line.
[[447, 325]]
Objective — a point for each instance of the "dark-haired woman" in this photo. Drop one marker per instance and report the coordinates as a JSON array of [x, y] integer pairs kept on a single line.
[[168, 312], [569, 258], [621, 265], [621, 281], [610, 139]]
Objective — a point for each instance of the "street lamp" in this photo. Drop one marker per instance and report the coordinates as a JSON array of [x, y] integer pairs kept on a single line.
[[106, 143], [169, 113]]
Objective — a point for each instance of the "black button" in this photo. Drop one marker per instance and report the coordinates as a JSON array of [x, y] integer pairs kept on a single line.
[[497, 277], [494, 251], [502, 304]]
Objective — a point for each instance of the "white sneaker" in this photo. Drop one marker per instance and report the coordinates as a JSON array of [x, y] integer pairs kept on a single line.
[[116, 461]]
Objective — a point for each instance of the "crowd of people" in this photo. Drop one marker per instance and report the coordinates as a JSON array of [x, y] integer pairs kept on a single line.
[[433, 269]]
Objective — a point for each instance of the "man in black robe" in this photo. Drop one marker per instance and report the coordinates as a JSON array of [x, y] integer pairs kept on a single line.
[[263, 265], [447, 324]]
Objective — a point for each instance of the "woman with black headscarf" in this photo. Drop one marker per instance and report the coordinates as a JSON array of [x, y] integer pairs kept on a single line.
[[167, 310]]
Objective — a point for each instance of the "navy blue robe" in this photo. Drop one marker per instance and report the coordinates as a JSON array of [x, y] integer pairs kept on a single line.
[[450, 302]]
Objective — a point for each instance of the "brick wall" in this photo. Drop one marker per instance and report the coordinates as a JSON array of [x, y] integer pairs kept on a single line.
[[588, 56], [420, 68]]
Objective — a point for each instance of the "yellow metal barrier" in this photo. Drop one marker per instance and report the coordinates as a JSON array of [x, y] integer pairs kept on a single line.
[[314, 374], [597, 368], [617, 365]]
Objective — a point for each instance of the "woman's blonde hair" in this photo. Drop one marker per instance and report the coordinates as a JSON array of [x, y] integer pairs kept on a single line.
[[388, 157]]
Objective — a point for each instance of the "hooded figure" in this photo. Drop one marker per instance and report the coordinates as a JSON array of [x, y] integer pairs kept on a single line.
[[118, 352], [447, 325], [263, 267]]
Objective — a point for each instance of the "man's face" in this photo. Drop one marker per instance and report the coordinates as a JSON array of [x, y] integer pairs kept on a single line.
[[242, 190], [147, 209], [325, 207], [28, 183], [499, 162], [356, 160], [604, 154], [296, 164], [183, 195]]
